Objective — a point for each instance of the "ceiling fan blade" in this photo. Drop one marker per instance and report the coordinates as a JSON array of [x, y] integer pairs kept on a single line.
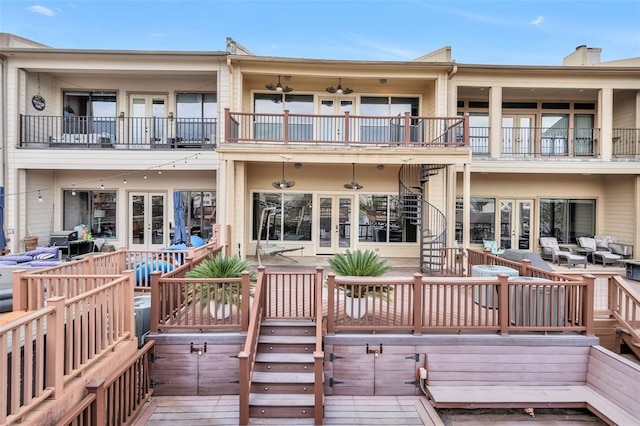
[[270, 86], [346, 91], [287, 89], [331, 89]]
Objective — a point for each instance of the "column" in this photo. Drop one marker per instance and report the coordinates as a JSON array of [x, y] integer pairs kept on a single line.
[[495, 122]]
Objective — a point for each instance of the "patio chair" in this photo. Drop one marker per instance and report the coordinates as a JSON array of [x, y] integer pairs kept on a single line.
[[550, 247], [598, 253], [493, 247]]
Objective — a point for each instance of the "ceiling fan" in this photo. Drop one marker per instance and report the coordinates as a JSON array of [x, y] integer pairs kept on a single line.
[[283, 183], [353, 184], [339, 90], [278, 87]]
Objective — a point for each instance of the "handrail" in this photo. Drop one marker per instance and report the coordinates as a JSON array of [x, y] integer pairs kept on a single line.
[[318, 353], [248, 353], [624, 305]]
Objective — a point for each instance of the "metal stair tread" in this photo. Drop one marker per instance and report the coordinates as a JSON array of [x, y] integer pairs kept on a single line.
[[279, 377], [285, 357], [281, 400], [302, 340]]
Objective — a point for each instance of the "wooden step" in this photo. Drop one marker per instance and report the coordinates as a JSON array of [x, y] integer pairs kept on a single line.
[[288, 323], [287, 340], [285, 358], [277, 377], [281, 405]]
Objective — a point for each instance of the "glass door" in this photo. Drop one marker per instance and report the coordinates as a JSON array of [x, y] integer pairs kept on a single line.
[[332, 123], [147, 213], [515, 224], [517, 134], [334, 231], [148, 119]]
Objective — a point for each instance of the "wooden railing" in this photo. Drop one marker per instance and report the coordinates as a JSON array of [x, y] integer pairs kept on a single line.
[[404, 130], [68, 335], [624, 305], [318, 353], [118, 399], [247, 356], [426, 304]]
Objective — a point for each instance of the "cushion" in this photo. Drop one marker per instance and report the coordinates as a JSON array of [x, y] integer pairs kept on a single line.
[[197, 241], [604, 240], [8, 262], [18, 258], [40, 250], [45, 263], [44, 256], [588, 243]]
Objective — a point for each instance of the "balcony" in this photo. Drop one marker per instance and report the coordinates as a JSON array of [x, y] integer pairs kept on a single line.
[[348, 130], [135, 133], [538, 142], [626, 143]]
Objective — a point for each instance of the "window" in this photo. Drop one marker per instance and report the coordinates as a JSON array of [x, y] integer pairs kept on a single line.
[[555, 130], [567, 219], [94, 209], [290, 219], [269, 127], [196, 116], [200, 212], [89, 112], [483, 220], [385, 130], [380, 220], [479, 132]]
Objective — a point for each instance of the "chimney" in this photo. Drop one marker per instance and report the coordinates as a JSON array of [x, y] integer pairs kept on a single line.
[[583, 55]]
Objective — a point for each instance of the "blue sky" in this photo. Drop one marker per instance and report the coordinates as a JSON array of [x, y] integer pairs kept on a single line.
[[538, 32]]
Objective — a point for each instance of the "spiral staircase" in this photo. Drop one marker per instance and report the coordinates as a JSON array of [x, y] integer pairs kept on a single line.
[[430, 221]]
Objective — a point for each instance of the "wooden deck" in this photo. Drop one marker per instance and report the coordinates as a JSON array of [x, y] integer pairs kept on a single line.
[[339, 410]]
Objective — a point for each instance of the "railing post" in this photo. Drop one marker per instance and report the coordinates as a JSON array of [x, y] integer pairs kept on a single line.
[[245, 302], [485, 256], [331, 288], [20, 291], [503, 303], [89, 265], [407, 128], [243, 400], [129, 317], [55, 344], [347, 127], [155, 301], [96, 387], [524, 267], [318, 291], [227, 124], [417, 304], [587, 303], [465, 129], [612, 301], [285, 130]]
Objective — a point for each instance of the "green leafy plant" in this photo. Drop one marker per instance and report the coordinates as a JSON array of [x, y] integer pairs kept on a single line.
[[360, 263], [218, 266]]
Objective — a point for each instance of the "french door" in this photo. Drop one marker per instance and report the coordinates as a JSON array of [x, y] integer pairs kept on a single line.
[[334, 233], [332, 121], [517, 134], [515, 224], [147, 218], [148, 119]]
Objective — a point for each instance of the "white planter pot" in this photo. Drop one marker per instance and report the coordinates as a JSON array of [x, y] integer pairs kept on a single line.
[[355, 307], [220, 311]]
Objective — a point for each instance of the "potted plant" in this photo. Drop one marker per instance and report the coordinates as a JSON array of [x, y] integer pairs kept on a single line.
[[219, 296], [360, 263]]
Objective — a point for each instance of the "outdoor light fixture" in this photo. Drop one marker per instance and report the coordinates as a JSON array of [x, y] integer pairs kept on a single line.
[[278, 87], [39, 196], [283, 184], [353, 184], [339, 90]]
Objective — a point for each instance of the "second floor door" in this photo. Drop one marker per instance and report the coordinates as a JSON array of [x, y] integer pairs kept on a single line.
[[148, 120], [332, 123], [518, 134]]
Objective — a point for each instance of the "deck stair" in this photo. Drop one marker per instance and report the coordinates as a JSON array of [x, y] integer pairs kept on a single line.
[[283, 378]]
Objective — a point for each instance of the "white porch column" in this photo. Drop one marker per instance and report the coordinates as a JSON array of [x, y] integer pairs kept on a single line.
[[451, 204], [466, 204], [606, 123], [495, 121]]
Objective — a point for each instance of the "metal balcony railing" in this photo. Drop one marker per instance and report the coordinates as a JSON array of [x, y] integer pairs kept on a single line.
[[626, 143], [38, 131], [344, 129]]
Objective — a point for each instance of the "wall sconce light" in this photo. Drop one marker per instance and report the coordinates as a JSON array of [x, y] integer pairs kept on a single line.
[[39, 196], [121, 115], [339, 90], [171, 116]]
